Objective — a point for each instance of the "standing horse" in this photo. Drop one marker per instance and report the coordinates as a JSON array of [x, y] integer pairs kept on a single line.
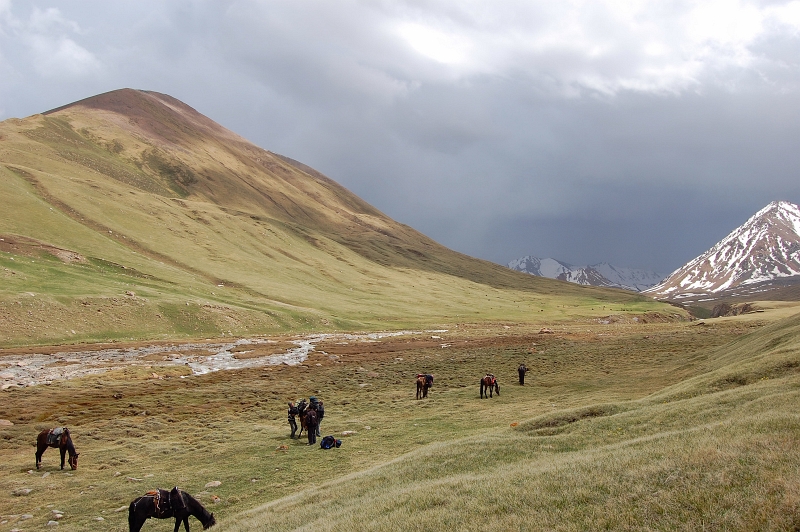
[[424, 382], [489, 384], [57, 437], [163, 504]]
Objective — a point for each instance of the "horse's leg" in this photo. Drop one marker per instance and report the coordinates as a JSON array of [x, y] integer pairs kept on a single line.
[[137, 525], [178, 523], [134, 524], [481, 389], [63, 451], [39, 452]]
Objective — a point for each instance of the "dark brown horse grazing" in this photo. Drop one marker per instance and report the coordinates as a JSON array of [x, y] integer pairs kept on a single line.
[[424, 382], [163, 504], [57, 437], [489, 384]]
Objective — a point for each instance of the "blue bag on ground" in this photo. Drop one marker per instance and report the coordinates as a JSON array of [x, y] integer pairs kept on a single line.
[[328, 442]]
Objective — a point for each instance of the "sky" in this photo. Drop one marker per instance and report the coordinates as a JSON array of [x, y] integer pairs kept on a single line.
[[637, 133]]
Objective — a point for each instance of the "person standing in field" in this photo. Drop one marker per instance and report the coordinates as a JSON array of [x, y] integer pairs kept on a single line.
[[316, 405], [522, 370], [292, 414], [320, 415], [311, 425]]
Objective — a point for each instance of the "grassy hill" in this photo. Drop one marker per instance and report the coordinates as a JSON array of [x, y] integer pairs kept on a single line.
[[130, 215]]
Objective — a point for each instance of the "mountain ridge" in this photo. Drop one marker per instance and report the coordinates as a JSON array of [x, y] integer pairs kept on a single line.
[[212, 234], [600, 274], [761, 254]]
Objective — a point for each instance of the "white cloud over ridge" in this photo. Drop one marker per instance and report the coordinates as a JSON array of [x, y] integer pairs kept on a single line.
[[605, 47]]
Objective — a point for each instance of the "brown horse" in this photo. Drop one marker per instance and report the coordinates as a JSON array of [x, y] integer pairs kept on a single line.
[[489, 384], [424, 382], [56, 437]]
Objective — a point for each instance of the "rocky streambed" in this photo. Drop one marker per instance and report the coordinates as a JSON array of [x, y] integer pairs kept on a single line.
[[30, 369]]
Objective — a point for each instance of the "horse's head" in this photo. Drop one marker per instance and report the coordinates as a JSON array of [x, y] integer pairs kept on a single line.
[[73, 461], [211, 522]]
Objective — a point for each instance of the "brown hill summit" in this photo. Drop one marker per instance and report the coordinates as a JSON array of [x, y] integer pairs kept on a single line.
[[202, 232], [181, 153]]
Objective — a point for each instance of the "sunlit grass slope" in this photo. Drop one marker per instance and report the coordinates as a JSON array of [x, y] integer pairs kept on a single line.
[[133, 192], [718, 451]]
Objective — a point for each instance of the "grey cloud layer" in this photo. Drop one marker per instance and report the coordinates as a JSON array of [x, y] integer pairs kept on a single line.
[[579, 130]]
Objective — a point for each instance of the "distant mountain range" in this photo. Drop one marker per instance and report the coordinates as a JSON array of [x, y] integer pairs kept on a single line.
[[601, 274], [759, 259]]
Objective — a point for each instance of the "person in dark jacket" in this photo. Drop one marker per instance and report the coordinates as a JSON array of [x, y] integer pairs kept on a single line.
[[320, 415], [319, 408], [522, 370], [311, 425], [292, 414]]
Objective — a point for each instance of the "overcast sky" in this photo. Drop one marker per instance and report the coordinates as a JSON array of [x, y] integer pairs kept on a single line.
[[632, 132]]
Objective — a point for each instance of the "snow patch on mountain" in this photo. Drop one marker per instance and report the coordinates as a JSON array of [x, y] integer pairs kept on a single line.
[[601, 274], [764, 248]]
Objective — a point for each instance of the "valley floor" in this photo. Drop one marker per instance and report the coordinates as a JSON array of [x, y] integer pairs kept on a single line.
[[619, 426]]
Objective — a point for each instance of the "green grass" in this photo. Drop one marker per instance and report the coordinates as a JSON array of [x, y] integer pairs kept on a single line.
[[621, 426], [716, 460]]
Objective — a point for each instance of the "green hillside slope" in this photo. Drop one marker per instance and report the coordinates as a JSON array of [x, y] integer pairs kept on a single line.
[[130, 215], [718, 451]]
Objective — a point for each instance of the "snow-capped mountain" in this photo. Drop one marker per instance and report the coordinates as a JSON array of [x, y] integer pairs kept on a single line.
[[763, 252], [602, 274]]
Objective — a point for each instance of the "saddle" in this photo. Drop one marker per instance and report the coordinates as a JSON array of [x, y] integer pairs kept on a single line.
[[54, 436], [166, 503]]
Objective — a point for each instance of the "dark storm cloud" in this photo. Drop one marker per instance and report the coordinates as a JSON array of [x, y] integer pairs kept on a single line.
[[633, 133]]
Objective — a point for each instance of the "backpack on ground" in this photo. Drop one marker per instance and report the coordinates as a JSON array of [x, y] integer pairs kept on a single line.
[[328, 442]]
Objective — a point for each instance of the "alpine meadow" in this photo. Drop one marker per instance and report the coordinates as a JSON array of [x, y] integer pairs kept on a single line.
[[168, 287]]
